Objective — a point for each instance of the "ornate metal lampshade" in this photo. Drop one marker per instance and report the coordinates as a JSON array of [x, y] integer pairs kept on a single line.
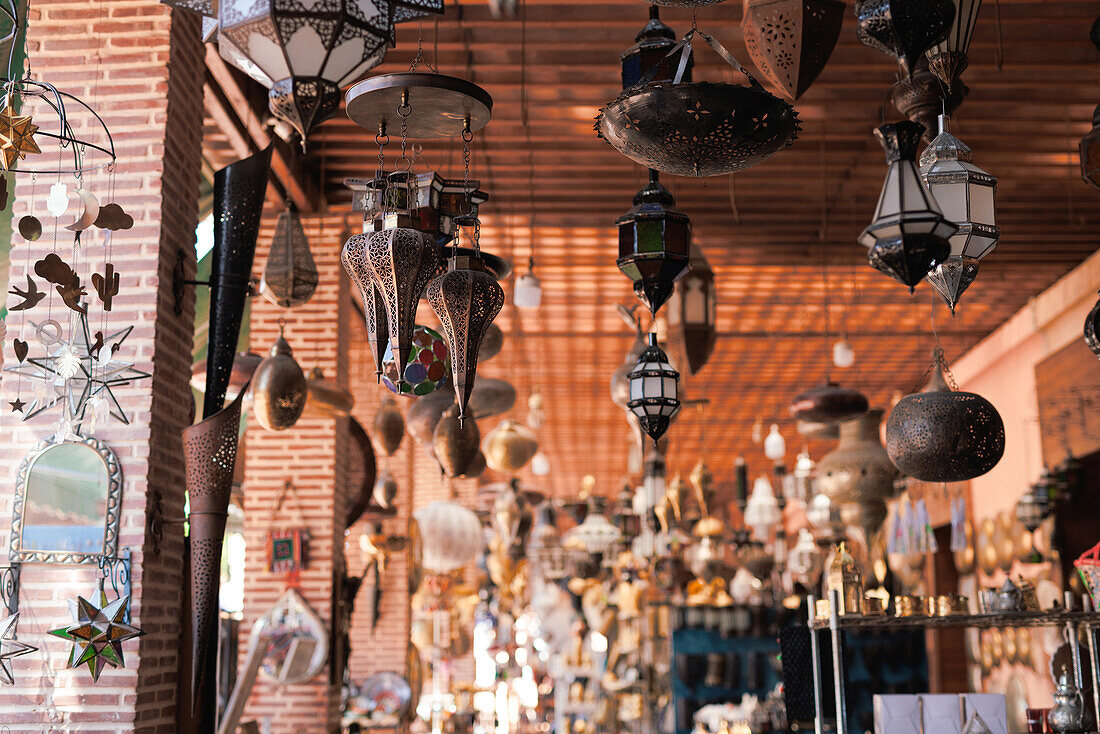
[[903, 29], [693, 312], [654, 243], [303, 52], [790, 40], [466, 299], [965, 194], [290, 275], [279, 389], [921, 97], [948, 59], [354, 258], [654, 390], [828, 403], [596, 534], [1092, 329], [1090, 152], [651, 47], [909, 234], [944, 435], [427, 202], [1034, 506]]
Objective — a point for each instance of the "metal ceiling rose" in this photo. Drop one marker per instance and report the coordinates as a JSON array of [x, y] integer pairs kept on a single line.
[[1092, 329], [790, 40], [456, 443], [355, 262], [425, 414], [491, 397], [441, 106], [509, 447], [903, 29], [491, 343], [389, 426], [828, 403], [698, 128], [279, 389], [944, 435]]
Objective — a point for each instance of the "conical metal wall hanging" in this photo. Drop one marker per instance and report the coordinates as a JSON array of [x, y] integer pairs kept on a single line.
[[357, 266], [238, 203], [290, 274]]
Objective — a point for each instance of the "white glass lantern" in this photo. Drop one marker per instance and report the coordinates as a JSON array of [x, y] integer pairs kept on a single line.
[[775, 446], [843, 354], [965, 194], [527, 293], [596, 534], [654, 390], [762, 510]]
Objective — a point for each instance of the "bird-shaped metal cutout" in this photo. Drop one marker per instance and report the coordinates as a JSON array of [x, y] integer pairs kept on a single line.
[[30, 297], [57, 271]]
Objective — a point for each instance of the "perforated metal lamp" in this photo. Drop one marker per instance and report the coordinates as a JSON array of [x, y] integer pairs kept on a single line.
[[965, 194], [654, 243], [948, 58], [909, 233], [654, 391]]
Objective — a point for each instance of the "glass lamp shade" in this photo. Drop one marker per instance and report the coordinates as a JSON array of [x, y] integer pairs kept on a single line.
[[693, 312], [843, 354], [1090, 152], [654, 391], [540, 465], [775, 446], [947, 59], [527, 292], [965, 195], [909, 233], [806, 561], [654, 244], [650, 48], [303, 52], [762, 510], [595, 534]]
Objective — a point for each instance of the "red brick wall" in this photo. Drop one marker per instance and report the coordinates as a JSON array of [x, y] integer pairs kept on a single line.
[[140, 67]]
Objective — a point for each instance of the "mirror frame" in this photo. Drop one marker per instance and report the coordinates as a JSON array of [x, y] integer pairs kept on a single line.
[[111, 521]]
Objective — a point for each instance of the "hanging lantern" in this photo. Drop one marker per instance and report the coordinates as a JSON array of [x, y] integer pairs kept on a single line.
[[762, 510], [527, 291], [828, 403], [845, 577], [540, 465], [279, 389], [908, 236], [290, 275], [806, 561], [790, 40], [650, 49], [450, 536], [428, 368], [389, 426], [456, 443], [425, 413], [466, 299], [596, 535], [903, 29], [432, 205], [921, 97], [385, 489], [1090, 152], [491, 397], [654, 391], [353, 258], [944, 435], [948, 58], [775, 446], [844, 356], [509, 447], [692, 312], [327, 398], [857, 477], [654, 243], [303, 52], [965, 194], [1034, 506], [1092, 329]]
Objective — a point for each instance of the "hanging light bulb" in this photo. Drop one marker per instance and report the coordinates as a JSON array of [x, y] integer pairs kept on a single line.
[[527, 293], [843, 354], [540, 465], [775, 446]]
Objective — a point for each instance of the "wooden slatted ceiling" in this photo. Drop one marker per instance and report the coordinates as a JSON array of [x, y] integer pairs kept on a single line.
[[773, 234]]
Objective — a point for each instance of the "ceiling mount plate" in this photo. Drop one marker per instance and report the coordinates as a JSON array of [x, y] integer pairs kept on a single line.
[[440, 105]]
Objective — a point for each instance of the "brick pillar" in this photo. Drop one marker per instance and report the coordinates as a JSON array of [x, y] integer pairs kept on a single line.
[[139, 65], [309, 455]]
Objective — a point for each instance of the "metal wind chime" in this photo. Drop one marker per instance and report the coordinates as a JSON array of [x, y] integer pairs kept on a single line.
[[409, 219]]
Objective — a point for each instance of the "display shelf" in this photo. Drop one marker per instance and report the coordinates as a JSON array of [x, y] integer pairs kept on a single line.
[[1051, 618]]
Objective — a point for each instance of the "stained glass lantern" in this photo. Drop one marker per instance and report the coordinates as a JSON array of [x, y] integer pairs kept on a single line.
[[790, 40], [466, 299], [654, 391], [428, 368], [909, 234], [903, 29], [1090, 152], [965, 194], [654, 243], [303, 52], [693, 312], [1092, 329], [650, 49], [948, 59]]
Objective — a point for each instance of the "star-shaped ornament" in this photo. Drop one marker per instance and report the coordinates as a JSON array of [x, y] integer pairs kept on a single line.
[[10, 647], [17, 405], [16, 137], [97, 633]]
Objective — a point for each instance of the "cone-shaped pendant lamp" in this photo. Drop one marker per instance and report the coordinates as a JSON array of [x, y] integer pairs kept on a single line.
[[374, 307]]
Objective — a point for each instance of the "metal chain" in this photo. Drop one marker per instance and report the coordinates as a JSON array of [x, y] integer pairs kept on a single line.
[[381, 140], [467, 138], [404, 163]]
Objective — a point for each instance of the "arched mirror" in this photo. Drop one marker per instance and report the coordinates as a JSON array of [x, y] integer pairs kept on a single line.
[[67, 499]]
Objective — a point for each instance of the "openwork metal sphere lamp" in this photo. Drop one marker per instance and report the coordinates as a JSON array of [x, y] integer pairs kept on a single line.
[[654, 243], [965, 194], [654, 391], [909, 234]]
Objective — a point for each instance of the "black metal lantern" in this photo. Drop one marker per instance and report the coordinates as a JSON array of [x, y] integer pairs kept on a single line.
[[909, 234], [650, 49], [1034, 506], [948, 59], [903, 29], [654, 391], [1092, 329], [654, 243], [965, 194], [1090, 152], [693, 312], [624, 518]]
